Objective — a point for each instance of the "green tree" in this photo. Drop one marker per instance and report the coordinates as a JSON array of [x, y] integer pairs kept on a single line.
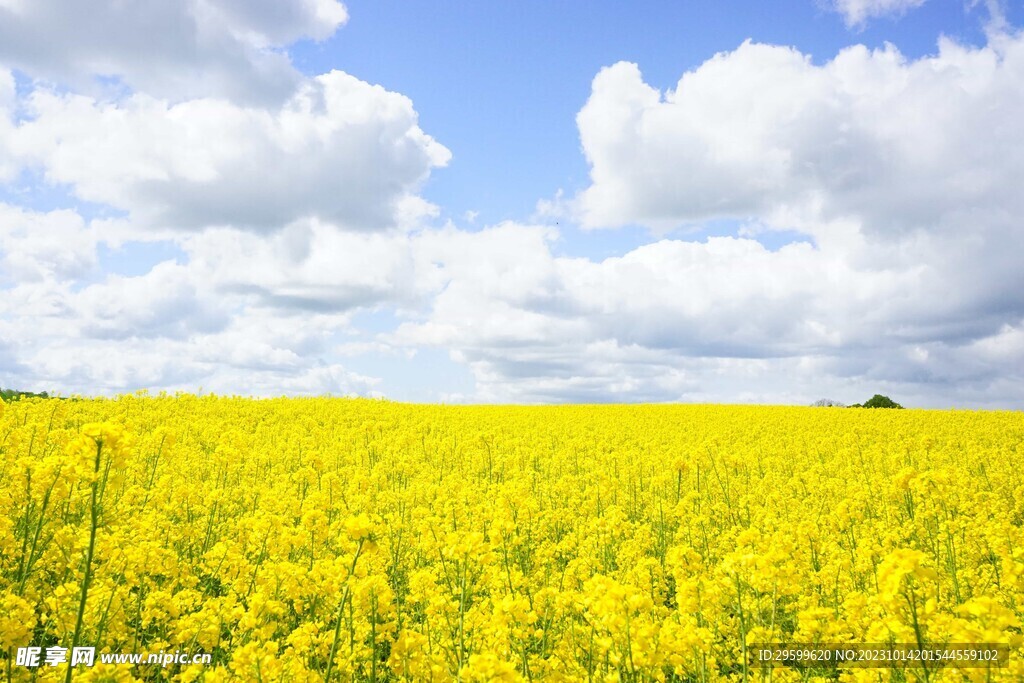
[[879, 401], [14, 395]]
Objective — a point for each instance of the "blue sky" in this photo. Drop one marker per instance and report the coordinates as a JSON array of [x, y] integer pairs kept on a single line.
[[514, 202]]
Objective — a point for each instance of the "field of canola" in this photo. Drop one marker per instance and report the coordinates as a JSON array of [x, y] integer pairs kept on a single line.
[[313, 539]]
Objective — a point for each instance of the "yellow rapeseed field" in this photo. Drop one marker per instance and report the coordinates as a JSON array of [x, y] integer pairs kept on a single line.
[[359, 540]]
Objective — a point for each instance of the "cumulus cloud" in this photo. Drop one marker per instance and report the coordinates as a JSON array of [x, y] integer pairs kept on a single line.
[[536, 327], [857, 12], [9, 365], [165, 330], [191, 48], [66, 325], [722, 319], [189, 120], [340, 149], [91, 368], [7, 88], [166, 302], [56, 245], [869, 136], [887, 162], [8, 166], [308, 266]]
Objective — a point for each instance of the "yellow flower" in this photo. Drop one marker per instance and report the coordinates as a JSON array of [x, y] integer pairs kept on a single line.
[[359, 527], [17, 619]]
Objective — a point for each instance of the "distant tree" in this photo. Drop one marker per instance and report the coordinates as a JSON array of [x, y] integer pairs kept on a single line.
[[879, 401], [14, 395], [827, 403]]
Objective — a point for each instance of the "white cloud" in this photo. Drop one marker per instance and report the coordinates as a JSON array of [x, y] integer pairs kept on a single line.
[[308, 266], [65, 325], [868, 136], [191, 48], [7, 89], [857, 12], [8, 166], [268, 23], [213, 141], [166, 302], [42, 246], [725, 319], [340, 149], [92, 368], [904, 175], [165, 330], [722, 319]]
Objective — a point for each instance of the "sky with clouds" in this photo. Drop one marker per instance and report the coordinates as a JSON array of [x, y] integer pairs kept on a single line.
[[526, 202]]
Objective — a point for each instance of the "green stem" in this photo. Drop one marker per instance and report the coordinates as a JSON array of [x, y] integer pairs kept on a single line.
[[341, 612], [87, 579]]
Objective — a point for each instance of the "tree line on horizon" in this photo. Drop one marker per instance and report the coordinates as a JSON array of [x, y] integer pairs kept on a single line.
[[876, 401], [15, 394]]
